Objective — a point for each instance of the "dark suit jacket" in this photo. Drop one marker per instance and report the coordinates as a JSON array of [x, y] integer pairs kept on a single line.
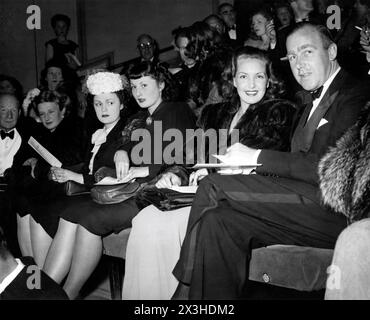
[[18, 290], [340, 107]]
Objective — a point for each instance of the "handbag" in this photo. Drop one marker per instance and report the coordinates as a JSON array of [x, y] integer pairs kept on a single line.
[[72, 188], [164, 199], [111, 194]]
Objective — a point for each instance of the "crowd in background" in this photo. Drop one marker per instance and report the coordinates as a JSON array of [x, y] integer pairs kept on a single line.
[[200, 90]]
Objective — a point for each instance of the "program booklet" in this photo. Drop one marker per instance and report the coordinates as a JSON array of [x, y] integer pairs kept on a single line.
[[44, 153]]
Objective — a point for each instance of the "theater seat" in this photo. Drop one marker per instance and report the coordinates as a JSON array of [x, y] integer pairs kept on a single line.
[[292, 267]]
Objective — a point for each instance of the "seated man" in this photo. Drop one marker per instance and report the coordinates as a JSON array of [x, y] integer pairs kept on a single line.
[[231, 215], [20, 281], [13, 152]]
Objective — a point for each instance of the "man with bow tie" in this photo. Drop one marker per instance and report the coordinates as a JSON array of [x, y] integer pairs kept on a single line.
[[11, 150], [10, 140], [233, 214], [227, 13]]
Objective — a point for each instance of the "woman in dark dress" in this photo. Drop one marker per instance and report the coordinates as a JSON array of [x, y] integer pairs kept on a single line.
[[262, 119], [77, 245], [104, 142], [61, 49], [61, 136]]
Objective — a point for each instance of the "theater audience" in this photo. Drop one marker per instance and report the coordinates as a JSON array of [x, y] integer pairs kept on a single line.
[[61, 136], [77, 245], [203, 251], [216, 251], [262, 120]]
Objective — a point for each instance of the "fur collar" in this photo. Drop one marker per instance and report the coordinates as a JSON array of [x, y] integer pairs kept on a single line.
[[344, 171]]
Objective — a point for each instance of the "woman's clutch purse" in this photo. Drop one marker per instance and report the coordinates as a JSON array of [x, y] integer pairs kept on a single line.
[[115, 193], [164, 199], [72, 188]]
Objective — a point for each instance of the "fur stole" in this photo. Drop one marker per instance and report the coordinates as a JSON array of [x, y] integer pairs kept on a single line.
[[344, 171], [265, 125]]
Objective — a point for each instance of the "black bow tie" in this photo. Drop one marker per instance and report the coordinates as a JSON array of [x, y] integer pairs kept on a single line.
[[316, 93], [9, 134], [307, 97], [232, 28]]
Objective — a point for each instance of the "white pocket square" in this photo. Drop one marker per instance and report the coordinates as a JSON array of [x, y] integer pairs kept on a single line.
[[322, 122]]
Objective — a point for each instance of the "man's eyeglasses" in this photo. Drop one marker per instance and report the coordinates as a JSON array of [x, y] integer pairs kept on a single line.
[[145, 45]]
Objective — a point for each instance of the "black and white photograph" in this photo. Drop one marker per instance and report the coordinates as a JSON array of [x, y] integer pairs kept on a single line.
[[181, 156]]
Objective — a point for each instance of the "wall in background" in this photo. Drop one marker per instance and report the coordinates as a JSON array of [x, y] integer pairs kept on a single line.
[[113, 25], [18, 54], [110, 26]]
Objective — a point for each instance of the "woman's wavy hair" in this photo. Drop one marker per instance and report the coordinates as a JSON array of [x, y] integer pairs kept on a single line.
[[201, 41], [57, 96], [159, 73], [265, 12], [276, 88]]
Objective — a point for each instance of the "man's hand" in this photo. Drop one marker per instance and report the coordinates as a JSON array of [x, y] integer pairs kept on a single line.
[[197, 176], [240, 154], [270, 31], [168, 180], [122, 163]]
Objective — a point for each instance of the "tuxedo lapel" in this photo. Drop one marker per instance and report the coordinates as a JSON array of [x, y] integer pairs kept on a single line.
[[305, 132]]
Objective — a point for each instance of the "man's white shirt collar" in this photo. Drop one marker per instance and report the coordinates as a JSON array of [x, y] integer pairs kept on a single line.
[[326, 85], [11, 276]]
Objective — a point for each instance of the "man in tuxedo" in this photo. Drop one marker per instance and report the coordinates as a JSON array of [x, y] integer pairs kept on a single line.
[[13, 153], [233, 214], [227, 13]]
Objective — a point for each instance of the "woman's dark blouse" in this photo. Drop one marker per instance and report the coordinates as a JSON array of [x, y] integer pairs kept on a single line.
[[65, 143], [168, 115]]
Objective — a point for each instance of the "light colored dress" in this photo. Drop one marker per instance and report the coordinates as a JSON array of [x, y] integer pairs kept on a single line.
[[153, 250]]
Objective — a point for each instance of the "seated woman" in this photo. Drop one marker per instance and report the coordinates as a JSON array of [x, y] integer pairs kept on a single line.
[[53, 77], [262, 119], [263, 34], [77, 245], [49, 112], [61, 136]]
